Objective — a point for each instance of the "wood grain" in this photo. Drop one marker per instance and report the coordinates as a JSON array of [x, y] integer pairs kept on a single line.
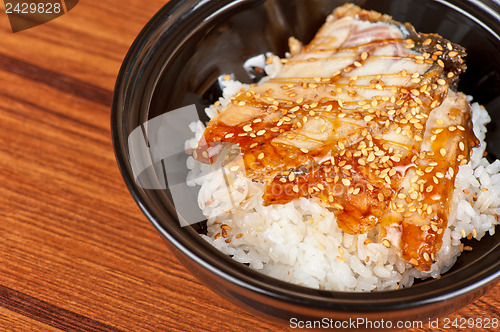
[[76, 252]]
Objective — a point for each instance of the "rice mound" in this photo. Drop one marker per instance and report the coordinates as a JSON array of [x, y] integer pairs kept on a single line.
[[301, 243]]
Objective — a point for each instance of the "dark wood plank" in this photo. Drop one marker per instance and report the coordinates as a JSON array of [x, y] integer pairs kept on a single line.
[[17, 322]]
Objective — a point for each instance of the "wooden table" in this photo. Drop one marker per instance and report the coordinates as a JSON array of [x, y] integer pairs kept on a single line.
[[76, 252]]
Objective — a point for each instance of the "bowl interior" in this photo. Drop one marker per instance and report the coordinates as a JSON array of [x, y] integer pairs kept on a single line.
[[173, 65]]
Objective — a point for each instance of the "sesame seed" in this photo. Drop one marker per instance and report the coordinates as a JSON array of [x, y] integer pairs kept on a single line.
[[296, 188], [346, 182], [414, 262], [304, 150], [291, 177], [427, 42], [437, 131], [395, 158], [386, 243], [367, 241], [247, 128], [261, 132], [452, 54]]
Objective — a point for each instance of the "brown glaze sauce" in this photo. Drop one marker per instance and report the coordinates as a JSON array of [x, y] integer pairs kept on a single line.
[[359, 182]]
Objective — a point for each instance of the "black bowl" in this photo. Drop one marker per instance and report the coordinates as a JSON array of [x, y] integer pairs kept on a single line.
[[176, 61]]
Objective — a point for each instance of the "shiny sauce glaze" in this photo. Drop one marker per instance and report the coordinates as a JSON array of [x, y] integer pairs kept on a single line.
[[379, 160]]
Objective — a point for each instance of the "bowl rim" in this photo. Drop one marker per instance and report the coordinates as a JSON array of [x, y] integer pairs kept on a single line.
[[222, 266]]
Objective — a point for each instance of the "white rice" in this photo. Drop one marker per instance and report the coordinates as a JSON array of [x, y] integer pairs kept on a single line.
[[300, 242]]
